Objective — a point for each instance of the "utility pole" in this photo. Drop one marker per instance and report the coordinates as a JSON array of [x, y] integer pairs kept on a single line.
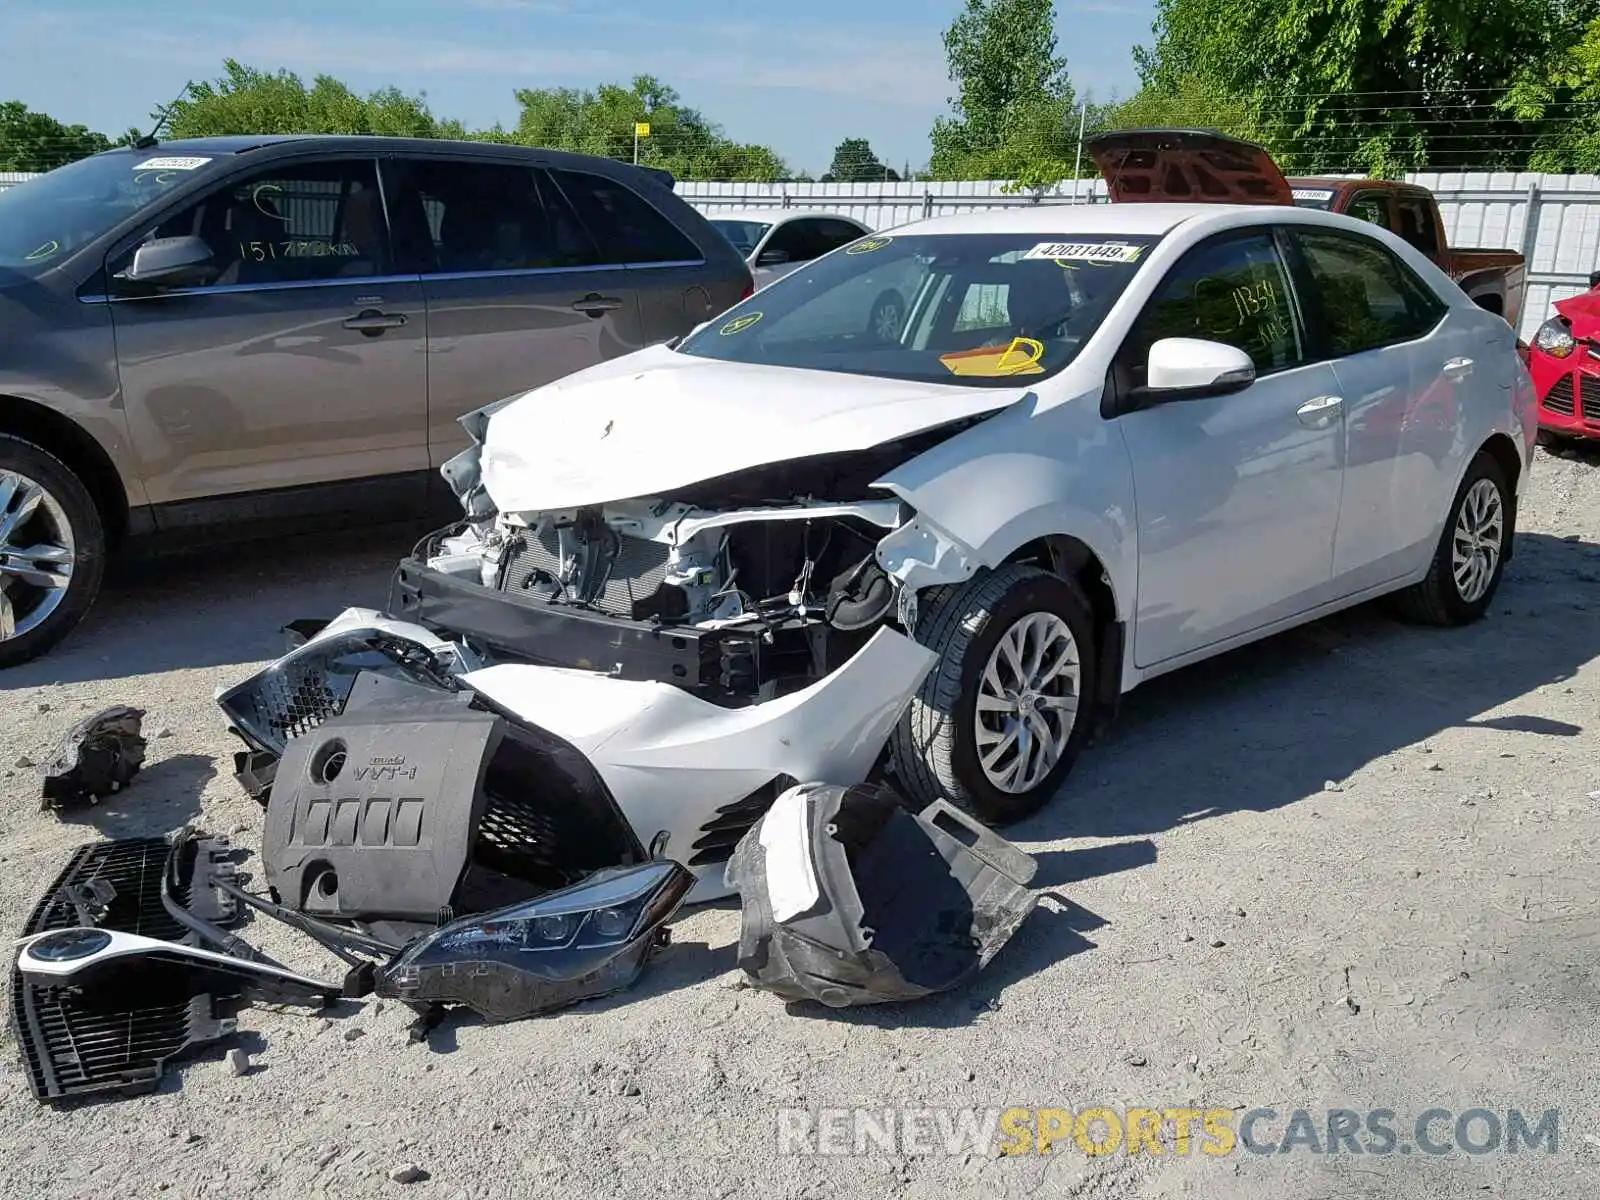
[[1077, 164]]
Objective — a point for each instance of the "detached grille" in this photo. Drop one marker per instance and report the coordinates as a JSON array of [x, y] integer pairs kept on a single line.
[[635, 575], [1562, 399], [76, 1046]]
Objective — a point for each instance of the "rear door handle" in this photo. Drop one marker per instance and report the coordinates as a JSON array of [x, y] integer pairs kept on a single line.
[[1458, 368], [372, 322], [1320, 412], [594, 304]]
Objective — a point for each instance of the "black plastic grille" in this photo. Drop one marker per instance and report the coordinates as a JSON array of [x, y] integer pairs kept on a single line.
[[635, 574], [731, 822], [1562, 399], [73, 1046]]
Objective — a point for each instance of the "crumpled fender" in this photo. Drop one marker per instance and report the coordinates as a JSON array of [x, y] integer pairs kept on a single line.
[[1028, 472]]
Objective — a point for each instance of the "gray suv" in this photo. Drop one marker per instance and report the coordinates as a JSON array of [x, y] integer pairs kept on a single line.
[[231, 337]]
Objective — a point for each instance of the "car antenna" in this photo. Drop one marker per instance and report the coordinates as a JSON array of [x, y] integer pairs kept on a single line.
[[162, 115]]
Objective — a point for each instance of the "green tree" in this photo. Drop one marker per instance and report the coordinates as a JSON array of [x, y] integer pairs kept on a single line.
[[1013, 115], [601, 121], [246, 100], [854, 162], [33, 141], [1381, 86], [1561, 97]]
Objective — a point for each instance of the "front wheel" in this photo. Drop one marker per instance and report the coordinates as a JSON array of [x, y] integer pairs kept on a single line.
[[998, 722], [52, 551], [1471, 556]]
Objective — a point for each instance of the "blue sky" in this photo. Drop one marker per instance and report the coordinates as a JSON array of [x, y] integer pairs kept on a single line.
[[796, 76]]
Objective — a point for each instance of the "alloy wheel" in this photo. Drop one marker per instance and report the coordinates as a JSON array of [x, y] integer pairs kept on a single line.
[[1027, 702], [37, 553], [1476, 543]]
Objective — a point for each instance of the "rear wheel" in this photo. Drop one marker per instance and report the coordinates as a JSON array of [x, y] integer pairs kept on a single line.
[[1471, 555], [52, 551]]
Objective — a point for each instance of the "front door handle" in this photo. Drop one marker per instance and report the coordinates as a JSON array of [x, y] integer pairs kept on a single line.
[[1320, 412], [372, 322], [1458, 368], [594, 304]]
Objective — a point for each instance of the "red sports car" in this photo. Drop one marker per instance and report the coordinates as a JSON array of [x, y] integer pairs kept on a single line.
[[1565, 363]]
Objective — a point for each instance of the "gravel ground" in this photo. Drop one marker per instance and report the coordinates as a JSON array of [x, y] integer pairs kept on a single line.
[[1351, 867]]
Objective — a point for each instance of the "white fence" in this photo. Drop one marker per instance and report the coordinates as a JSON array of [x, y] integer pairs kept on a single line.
[[1554, 220]]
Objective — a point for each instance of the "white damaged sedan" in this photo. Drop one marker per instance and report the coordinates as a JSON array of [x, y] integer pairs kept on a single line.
[[1092, 445]]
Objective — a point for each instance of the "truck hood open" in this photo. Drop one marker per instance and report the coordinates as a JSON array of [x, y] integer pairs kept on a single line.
[[656, 420], [1186, 166]]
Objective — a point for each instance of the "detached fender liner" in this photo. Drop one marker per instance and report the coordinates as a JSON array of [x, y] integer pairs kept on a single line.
[[718, 665]]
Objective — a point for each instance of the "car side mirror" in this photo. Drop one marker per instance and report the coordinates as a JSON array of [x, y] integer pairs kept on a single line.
[[772, 258], [170, 262], [1193, 368]]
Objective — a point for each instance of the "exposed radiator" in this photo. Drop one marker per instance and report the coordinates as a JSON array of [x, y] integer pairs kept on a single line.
[[631, 577]]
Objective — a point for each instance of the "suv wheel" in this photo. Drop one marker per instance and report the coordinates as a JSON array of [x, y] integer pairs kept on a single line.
[[52, 551], [997, 723]]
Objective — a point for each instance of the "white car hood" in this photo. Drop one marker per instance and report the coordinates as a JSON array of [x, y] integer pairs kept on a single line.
[[656, 420]]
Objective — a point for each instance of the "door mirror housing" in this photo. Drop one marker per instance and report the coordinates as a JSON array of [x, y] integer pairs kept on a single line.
[[772, 258], [1193, 368], [170, 262]]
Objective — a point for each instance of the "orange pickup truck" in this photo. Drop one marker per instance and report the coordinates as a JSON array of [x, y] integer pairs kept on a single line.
[[1189, 165], [1496, 279]]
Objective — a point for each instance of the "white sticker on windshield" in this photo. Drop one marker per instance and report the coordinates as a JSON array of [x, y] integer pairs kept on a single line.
[[1104, 252], [1315, 194], [171, 164]]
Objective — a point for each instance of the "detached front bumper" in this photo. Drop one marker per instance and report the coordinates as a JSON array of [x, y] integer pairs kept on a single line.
[[689, 776]]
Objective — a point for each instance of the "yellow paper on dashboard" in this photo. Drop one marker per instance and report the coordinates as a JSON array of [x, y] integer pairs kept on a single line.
[[1021, 357]]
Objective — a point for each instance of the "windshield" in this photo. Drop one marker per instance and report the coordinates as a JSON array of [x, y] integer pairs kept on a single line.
[[1313, 198], [947, 308], [745, 235], [45, 219]]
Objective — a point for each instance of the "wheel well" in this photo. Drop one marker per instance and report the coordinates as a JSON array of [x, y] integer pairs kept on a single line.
[[1071, 559], [1504, 452], [66, 440]]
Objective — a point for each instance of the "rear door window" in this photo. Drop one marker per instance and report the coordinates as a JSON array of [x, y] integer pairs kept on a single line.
[[298, 223], [626, 226], [1367, 297], [459, 217], [1235, 290]]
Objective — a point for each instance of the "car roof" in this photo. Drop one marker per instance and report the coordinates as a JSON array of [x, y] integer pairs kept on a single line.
[[1127, 219], [367, 143], [776, 216]]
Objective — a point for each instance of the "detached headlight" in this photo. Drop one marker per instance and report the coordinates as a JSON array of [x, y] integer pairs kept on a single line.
[[575, 944], [1555, 338]]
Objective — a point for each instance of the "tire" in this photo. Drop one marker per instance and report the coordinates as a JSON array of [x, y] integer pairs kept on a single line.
[[887, 317], [1441, 598], [935, 751], [62, 515]]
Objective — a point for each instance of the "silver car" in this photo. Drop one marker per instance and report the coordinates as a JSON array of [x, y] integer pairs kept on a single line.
[[227, 337]]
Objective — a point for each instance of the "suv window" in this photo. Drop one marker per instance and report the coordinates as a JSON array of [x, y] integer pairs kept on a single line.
[[299, 223], [1417, 225], [1371, 207], [1368, 297], [452, 217], [627, 227], [1233, 290], [794, 239]]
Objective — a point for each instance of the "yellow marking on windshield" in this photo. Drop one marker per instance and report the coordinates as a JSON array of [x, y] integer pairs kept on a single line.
[[47, 250], [1021, 357], [740, 324], [868, 245]]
